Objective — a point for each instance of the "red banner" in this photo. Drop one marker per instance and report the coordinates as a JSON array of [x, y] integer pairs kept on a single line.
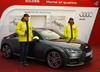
[[73, 3]]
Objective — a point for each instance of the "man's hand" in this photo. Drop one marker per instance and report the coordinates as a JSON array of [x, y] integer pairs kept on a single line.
[[25, 34]]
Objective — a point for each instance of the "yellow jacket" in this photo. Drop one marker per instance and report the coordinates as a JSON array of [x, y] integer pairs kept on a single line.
[[20, 30], [67, 32]]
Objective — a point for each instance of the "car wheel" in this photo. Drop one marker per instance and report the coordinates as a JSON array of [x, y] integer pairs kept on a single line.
[[6, 51], [54, 60]]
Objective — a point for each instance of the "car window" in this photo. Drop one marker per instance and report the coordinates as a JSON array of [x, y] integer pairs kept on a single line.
[[37, 34], [49, 35]]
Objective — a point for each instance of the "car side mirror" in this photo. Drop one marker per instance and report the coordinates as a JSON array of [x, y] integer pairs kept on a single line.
[[36, 38]]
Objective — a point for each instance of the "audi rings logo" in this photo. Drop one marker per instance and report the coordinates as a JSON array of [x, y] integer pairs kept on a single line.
[[86, 14]]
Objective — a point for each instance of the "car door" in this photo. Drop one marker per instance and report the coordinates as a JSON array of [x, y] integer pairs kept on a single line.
[[36, 48], [15, 43]]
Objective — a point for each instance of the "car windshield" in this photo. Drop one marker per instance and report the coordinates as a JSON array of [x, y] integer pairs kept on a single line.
[[49, 35]]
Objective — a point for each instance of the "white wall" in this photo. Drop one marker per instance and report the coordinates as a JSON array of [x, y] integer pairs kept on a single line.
[[38, 21], [60, 15]]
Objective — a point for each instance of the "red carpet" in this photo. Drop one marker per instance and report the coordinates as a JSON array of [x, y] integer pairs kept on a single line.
[[12, 65]]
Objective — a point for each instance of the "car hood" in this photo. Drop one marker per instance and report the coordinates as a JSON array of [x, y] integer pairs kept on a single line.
[[63, 44]]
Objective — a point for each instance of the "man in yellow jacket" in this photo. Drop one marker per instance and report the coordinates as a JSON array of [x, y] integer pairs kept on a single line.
[[70, 31], [24, 31]]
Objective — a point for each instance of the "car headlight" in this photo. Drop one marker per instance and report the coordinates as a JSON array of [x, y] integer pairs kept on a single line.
[[73, 51]]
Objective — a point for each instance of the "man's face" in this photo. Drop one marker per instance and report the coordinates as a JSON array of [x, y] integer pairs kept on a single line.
[[26, 18], [71, 21]]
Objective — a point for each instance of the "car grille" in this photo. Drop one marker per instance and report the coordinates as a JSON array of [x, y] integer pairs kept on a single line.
[[73, 61]]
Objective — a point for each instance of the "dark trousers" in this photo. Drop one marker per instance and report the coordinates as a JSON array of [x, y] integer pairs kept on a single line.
[[23, 51]]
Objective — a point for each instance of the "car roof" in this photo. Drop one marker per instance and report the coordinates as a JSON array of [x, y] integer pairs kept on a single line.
[[40, 29]]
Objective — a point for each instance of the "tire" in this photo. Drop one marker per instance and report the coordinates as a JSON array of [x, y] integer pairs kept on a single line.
[[6, 51], [54, 60]]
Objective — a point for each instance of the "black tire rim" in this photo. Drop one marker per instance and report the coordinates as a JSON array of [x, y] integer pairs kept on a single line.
[[54, 59], [6, 51]]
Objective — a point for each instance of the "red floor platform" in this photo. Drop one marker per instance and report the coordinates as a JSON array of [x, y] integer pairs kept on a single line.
[[12, 65]]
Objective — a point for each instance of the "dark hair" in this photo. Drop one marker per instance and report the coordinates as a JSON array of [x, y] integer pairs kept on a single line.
[[70, 19], [22, 19]]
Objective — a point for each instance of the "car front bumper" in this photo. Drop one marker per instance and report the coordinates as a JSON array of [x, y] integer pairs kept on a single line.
[[78, 59]]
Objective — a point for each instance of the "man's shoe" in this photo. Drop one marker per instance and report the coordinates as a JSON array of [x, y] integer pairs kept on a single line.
[[21, 64], [26, 63]]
